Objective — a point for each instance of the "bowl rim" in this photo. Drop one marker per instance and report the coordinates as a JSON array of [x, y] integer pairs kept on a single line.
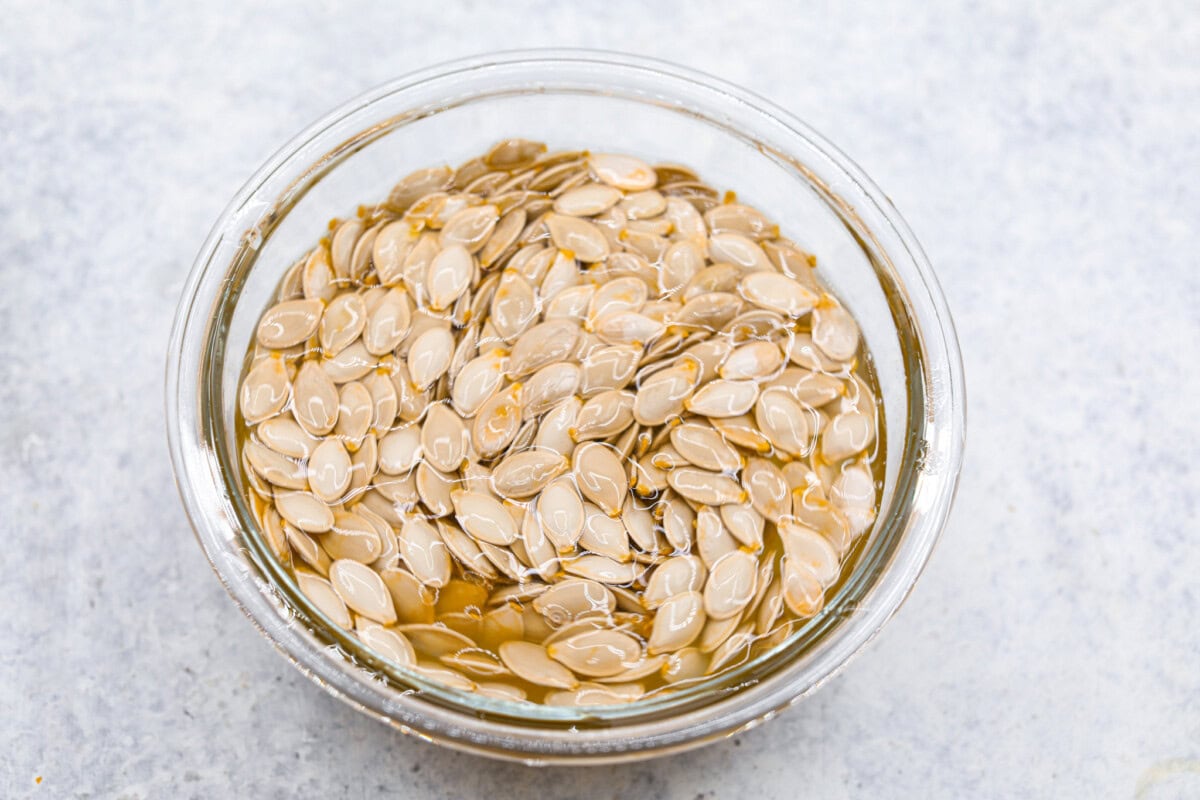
[[197, 483]]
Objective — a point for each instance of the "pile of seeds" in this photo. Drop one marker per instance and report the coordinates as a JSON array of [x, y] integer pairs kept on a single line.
[[560, 428]]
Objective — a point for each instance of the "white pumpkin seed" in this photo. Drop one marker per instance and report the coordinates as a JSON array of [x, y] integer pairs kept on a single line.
[[624, 172], [400, 450], [352, 537], [304, 511], [608, 368], [744, 523], [730, 585], [390, 644], [362, 590], [329, 470], [679, 524], [429, 357], [484, 517], [604, 415], [786, 423], [754, 360], [722, 398], [550, 385], [497, 423], [703, 446], [802, 592], [571, 598], [342, 323], [587, 200], [285, 437], [424, 552], [444, 438], [289, 323], [665, 394], [264, 391], [524, 474], [677, 623], [554, 431], [806, 549], [709, 488], [600, 476], [276, 469], [603, 535], [477, 381], [684, 573], [628, 327], [603, 569], [577, 237], [531, 662], [543, 344], [776, 292], [597, 654], [322, 595], [834, 330], [846, 435], [767, 488]]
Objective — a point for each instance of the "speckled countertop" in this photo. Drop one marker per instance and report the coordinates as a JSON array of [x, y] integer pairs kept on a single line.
[[1045, 154]]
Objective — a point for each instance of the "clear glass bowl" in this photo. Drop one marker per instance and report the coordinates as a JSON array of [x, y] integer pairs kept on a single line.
[[571, 99]]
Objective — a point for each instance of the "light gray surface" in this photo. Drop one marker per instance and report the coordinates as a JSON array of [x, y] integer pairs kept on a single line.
[[1046, 157]]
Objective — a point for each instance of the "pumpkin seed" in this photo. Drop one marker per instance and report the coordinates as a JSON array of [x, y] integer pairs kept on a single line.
[[352, 537], [776, 292], [524, 474], [429, 357], [329, 470], [665, 394], [264, 390], [577, 237], [362, 590], [390, 644], [424, 552], [624, 172], [767, 488], [561, 513], [276, 469], [730, 585], [550, 385], [597, 654], [587, 200], [603, 535], [723, 398], [289, 323], [674, 576], [703, 446], [744, 523], [497, 423], [304, 511], [322, 595], [677, 623], [599, 475], [808, 550], [400, 450], [603, 569], [784, 421], [834, 330], [709, 488], [531, 662], [444, 438], [604, 415], [543, 344], [846, 435]]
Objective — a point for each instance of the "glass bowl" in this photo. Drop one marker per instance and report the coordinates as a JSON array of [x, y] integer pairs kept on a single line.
[[571, 99]]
